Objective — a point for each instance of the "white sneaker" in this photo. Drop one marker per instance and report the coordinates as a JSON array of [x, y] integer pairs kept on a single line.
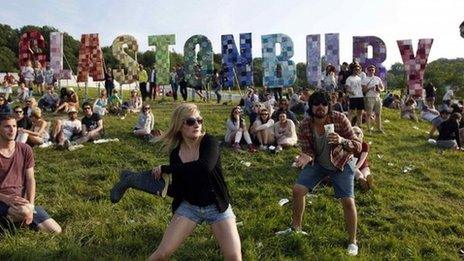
[[263, 147], [278, 149], [352, 249], [289, 231]]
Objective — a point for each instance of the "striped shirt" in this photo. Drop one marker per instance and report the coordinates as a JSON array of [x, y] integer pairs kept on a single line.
[[340, 154]]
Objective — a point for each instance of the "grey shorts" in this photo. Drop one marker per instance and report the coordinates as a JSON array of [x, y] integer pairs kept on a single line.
[[373, 104], [343, 181], [209, 214]]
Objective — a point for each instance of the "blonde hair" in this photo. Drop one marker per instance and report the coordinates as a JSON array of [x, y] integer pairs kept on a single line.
[[37, 113], [172, 138], [361, 134]]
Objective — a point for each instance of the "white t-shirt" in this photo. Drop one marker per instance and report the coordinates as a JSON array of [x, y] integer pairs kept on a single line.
[[371, 81], [69, 126], [448, 95], [354, 86]]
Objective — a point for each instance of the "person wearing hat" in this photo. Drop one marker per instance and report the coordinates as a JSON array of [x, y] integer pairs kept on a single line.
[[134, 104], [64, 130], [372, 86], [328, 143], [50, 100]]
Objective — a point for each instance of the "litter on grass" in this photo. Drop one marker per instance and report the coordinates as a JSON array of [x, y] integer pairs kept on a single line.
[[100, 141], [246, 163], [283, 201]]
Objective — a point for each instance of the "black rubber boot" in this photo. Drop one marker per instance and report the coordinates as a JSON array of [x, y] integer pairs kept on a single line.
[[143, 181]]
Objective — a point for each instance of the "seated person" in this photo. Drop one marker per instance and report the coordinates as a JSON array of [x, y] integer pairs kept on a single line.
[[428, 114], [115, 103], [444, 115], [23, 92], [18, 188], [22, 121], [448, 136], [236, 130], [408, 109], [254, 114], [92, 125], [145, 123], [99, 106], [70, 100], [335, 103], [263, 129], [363, 173], [39, 133], [5, 108], [30, 105], [284, 132], [296, 105], [65, 129], [134, 104], [250, 98], [283, 107], [49, 101]]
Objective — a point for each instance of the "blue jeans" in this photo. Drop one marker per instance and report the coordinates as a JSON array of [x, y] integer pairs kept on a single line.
[[343, 181], [209, 214]]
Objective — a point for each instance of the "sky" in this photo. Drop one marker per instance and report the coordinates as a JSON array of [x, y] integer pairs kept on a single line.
[[389, 20]]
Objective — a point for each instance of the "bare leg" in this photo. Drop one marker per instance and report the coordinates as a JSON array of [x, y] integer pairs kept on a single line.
[[299, 193], [228, 238], [359, 118], [349, 209], [178, 230]]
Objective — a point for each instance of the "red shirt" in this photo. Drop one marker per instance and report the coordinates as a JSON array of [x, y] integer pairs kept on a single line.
[[339, 154], [13, 170], [365, 148]]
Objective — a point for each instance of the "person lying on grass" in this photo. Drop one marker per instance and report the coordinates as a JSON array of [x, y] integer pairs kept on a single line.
[[17, 182], [64, 130], [198, 188], [408, 109]]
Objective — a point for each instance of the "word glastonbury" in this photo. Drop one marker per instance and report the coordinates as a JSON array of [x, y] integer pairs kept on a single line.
[[238, 60]]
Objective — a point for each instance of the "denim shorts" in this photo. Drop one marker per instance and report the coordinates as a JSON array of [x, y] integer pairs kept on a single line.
[[209, 213], [40, 216], [343, 181]]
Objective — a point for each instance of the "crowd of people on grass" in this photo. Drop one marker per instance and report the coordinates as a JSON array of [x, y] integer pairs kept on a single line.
[[327, 124]]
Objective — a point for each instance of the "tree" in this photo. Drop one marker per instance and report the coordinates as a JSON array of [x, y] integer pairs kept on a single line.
[[258, 71], [8, 60], [301, 80]]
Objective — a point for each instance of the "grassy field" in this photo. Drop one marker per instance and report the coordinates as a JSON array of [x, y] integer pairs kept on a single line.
[[412, 215]]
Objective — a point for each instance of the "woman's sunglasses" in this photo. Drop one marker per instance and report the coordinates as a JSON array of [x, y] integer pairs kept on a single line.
[[192, 121]]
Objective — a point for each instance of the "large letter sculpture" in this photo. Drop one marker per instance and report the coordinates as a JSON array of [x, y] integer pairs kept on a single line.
[[241, 62], [122, 44], [32, 48], [204, 58], [415, 65], [379, 54], [313, 56], [162, 63], [90, 59], [271, 61], [56, 56]]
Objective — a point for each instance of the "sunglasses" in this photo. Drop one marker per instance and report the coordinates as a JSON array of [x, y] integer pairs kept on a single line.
[[18, 112], [317, 103], [146, 108], [192, 121]]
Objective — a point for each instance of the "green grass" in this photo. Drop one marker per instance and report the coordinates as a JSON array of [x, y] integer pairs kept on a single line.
[[414, 215]]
